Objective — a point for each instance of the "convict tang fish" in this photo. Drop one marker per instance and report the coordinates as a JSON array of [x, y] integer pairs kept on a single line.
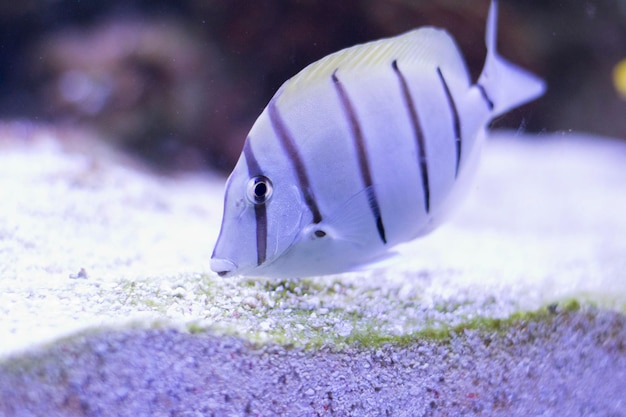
[[360, 151]]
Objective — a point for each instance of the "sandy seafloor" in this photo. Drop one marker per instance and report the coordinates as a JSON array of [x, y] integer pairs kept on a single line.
[[107, 306]]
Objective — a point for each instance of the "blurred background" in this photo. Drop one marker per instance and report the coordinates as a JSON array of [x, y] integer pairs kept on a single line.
[[180, 82]]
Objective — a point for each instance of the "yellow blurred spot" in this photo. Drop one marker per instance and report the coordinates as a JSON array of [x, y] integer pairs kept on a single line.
[[619, 78]]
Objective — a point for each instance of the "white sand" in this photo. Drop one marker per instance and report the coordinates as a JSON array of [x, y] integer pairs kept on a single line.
[[545, 221]]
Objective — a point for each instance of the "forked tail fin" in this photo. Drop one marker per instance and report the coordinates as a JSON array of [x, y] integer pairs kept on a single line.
[[505, 85]]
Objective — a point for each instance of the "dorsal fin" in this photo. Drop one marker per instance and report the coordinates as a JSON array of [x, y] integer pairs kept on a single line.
[[426, 46]]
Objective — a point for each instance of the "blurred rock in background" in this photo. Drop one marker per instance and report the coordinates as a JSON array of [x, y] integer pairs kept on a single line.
[[144, 83], [181, 82]]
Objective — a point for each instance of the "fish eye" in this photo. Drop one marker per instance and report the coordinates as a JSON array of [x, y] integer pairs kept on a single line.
[[259, 189]]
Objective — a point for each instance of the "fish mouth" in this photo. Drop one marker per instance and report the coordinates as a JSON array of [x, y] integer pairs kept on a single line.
[[223, 267]]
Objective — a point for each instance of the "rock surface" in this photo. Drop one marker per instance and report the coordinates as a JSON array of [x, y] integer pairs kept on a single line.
[[567, 364]]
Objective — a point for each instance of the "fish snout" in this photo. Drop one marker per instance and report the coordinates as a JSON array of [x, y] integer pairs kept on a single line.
[[222, 267]]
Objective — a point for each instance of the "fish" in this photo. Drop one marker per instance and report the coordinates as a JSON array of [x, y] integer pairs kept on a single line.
[[363, 150], [619, 78]]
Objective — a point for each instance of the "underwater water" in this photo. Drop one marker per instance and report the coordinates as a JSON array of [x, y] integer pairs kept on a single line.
[[180, 83], [119, 121]]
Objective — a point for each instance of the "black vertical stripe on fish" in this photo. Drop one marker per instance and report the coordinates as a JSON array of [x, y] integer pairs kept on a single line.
[[419, 134], [260, 210], [486, 97], [364, 165], [455, 120], [289, 146]]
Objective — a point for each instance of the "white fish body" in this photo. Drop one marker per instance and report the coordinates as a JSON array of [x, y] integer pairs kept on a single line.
[[361, 151]]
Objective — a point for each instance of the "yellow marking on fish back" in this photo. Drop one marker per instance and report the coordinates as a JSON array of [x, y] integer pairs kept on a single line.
[[430, 47]]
